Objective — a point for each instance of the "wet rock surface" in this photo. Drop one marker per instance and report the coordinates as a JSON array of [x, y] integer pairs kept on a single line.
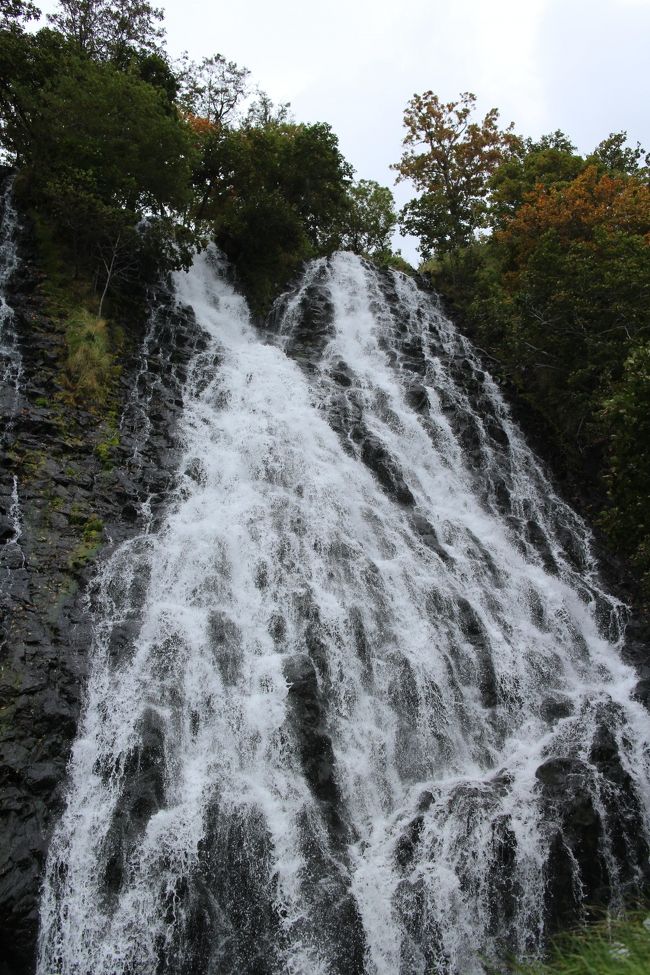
[[311, 318], [72, 486], [580, 869]]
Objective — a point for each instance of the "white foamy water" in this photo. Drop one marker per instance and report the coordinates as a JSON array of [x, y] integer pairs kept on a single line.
[[321, 691], [11, 371], [10, 359]]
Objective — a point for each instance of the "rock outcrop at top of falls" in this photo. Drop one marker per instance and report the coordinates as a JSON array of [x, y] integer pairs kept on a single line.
[[341, 692]]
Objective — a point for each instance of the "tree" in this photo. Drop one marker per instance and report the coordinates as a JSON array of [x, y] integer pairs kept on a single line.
[[371, 219], [12, 12], [449, 158], [551, 160], [29, 64], [615, 156], [109, 29], [99, 149], [109, 131], [556, 140], [274, 195], [212, 89], [576, 258], [559, 297], [154, 68], [579, 211], [263, 111], [626, 415]]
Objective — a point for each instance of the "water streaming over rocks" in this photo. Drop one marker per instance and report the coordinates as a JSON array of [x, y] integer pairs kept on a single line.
[[11, 369], [356, 703], [10, 357]]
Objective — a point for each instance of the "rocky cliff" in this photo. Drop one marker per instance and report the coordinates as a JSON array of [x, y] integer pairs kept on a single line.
[[73, 484]]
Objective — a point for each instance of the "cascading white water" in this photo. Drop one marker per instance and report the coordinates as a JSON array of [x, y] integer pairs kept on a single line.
[[11, 371], [11, 367], [12, 556], [158, 379], [327, 693]]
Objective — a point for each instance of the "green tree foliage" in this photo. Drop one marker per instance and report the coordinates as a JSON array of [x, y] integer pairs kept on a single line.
[[615, 156], [274, 195], [549, 161], [109, 29], [68, 117], [14, 12], [575, 261], [108, 135], [371, 219], [99, 149], [626, 417], [449, 158], [154, 68]]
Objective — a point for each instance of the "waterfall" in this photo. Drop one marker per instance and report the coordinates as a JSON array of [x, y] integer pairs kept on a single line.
[[356, 704], [11, 367], [155, 390], [11, 372]]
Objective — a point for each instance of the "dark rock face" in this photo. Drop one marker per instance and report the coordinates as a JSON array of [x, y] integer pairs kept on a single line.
[[310, 318], [70, 489], [332, 907], [575, 851], [579, 866], [308, 711], [142, 795], [233, 927]]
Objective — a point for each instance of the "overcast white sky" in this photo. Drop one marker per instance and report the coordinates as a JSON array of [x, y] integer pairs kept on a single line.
[[578, 65]]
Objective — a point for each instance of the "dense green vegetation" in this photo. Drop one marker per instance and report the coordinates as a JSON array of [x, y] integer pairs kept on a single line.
[[273, 195], [545, 255]]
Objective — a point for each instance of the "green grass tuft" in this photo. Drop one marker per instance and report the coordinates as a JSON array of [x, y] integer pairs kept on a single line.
[[89, 365], [611, 947]]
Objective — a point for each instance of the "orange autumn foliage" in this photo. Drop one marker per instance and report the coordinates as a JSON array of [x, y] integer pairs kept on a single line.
[[202, 127], [592, 201]]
